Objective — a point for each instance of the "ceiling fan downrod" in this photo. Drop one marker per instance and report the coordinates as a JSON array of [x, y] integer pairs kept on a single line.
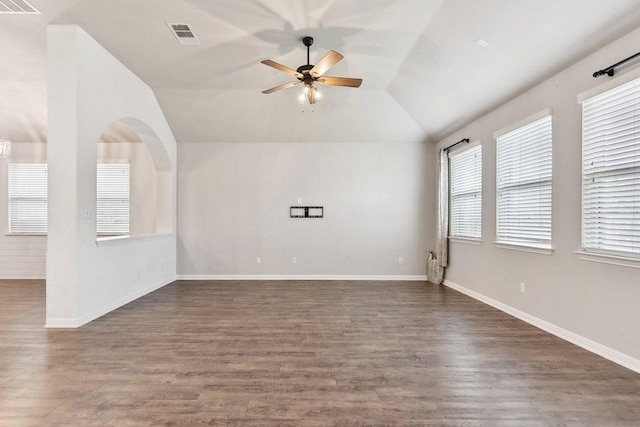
[[307, 41], [304, 69]]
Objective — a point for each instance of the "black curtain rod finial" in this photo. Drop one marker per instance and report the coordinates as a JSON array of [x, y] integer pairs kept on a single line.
[[603, 72]]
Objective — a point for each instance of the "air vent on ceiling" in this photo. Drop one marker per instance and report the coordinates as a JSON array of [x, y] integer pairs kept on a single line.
[[17, 7], [184, 34]]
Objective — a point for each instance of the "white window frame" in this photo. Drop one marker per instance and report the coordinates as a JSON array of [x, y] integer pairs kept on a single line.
[[512, 239], [598, 239], [35, 189], [113, 201], [471, 186], [107, 199]]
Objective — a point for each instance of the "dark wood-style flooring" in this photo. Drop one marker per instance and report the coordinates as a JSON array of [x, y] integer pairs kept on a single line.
[[300, 354]]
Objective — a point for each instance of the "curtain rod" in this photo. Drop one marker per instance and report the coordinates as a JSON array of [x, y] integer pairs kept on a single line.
[[611, 68], [453, 145]]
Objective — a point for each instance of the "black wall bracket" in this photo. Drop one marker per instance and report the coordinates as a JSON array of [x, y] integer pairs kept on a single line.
[[306, 212]]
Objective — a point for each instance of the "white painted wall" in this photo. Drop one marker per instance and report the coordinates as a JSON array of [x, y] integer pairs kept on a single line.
[[234, 201], [88, 91], [596, 301]]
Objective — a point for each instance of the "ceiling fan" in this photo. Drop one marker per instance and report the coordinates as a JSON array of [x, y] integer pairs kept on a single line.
[[310, 74]]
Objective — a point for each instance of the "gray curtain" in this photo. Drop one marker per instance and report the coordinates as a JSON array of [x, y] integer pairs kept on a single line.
[[438, 261]]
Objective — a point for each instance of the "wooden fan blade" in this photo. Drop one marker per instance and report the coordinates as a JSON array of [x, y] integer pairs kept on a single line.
[[284, 86], [282, 68], [327, 61], [339, 81]]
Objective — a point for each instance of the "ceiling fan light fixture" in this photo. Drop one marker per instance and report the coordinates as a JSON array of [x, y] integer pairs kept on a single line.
[[309, 94], [317, 95]]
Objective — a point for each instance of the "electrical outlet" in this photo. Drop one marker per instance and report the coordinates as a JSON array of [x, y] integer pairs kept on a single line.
[[258, 260], [400, 260], [299, 200], [294, 260], [523, 287]]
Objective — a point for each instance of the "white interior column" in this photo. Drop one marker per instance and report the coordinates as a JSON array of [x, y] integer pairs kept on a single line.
[[89, 89], [63, 153]]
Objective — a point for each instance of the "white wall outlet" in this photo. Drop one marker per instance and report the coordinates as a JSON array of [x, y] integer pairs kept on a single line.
[[299, 200], [258, 260], [400, 260], [88, 213], [523, 287], [294, 260]]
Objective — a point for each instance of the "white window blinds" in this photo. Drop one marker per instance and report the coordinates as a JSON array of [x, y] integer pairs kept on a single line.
[[28, 198], [611, 171], [523, 184], [27, 187], [466, 193], [112, 194]]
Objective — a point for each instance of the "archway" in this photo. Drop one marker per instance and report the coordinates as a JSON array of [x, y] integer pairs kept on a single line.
[[133, 179]]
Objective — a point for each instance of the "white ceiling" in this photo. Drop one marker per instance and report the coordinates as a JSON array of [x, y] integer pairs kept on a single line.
[[424, 75]]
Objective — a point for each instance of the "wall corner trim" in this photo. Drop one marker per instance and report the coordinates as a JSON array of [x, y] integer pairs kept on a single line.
[[416, 277], [587, 344]]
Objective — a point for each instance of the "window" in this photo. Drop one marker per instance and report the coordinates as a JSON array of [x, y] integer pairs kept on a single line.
[[27, 198], [523, 184], [112, 194], [466, 193], [611, 171]]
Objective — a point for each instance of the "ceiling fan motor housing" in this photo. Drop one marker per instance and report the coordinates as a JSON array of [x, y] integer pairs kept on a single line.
[[307, 77]]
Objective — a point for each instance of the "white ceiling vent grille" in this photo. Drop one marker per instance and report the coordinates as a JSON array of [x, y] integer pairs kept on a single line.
[[17, 7], [183, 33]]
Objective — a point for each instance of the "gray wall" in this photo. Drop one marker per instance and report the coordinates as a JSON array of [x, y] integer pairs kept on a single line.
[[234, 199], [594, 300]]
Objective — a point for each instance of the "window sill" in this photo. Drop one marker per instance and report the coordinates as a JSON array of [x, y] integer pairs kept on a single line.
[[525, 247], [465, 240], [619, 260], [26, 234], [122, 240]]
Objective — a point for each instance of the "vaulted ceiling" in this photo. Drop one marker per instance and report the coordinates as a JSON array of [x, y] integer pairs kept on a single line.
[[424, 74]]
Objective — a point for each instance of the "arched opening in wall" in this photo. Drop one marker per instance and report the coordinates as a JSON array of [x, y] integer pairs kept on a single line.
[[133, 182]]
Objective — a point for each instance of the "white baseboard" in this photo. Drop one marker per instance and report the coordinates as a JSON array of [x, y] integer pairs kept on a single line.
[[417, 277], [62, 323], [22, 277], [592, 346], [77, 322]]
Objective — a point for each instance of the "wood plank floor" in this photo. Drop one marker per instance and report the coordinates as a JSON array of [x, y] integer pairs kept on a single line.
[[300, 354]]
